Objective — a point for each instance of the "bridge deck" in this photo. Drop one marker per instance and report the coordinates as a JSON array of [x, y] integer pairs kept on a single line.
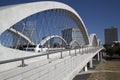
[[64, 68]]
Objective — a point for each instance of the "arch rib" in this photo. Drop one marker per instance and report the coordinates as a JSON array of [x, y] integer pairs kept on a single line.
[[50, 37], [74, 41], [92, 38], [20, 34], [8, 14]]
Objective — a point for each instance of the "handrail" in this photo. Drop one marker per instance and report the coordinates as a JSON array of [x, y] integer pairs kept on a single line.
[[47, 53], [18, 59], [28, 57]]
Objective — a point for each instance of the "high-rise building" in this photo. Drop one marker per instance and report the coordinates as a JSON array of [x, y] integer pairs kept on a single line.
[[110, 34], [73, 34]]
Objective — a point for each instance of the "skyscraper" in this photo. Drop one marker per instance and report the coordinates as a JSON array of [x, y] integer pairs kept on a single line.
[[110, 34]]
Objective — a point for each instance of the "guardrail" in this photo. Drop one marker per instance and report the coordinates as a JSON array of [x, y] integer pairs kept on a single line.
[[83, 50]]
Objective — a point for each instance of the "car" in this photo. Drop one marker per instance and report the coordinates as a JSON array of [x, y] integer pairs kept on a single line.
[[40, 48], [36, 48], [68, 47], [29, 47]]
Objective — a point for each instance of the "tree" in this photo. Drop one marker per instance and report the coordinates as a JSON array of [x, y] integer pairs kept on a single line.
[[109, 51]]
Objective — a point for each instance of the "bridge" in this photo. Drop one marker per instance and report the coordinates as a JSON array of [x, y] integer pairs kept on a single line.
[[44, 41]]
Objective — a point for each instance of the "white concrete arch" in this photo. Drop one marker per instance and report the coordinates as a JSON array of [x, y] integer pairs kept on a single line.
[[93, 40], [9, 17], [73, 42], [99, 42], [50, 37], [20, 34]]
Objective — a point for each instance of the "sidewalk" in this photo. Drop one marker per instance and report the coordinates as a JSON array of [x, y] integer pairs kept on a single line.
[[107, 70], [104, 70]]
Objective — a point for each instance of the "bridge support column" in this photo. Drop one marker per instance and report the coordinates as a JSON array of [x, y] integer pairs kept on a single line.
[[85, 68], [98, 57], [101, 54], [91, 64]]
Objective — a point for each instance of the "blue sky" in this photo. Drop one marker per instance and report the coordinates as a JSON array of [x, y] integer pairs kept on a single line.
[[96, 14]]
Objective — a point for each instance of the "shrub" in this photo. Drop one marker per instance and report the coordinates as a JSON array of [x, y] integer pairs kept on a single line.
[[112, 50]]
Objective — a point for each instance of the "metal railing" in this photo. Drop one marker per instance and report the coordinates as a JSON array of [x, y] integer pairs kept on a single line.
[[22, 59]]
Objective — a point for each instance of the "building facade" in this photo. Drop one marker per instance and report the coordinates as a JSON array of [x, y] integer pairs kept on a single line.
[[73, 34], [110, 34]]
